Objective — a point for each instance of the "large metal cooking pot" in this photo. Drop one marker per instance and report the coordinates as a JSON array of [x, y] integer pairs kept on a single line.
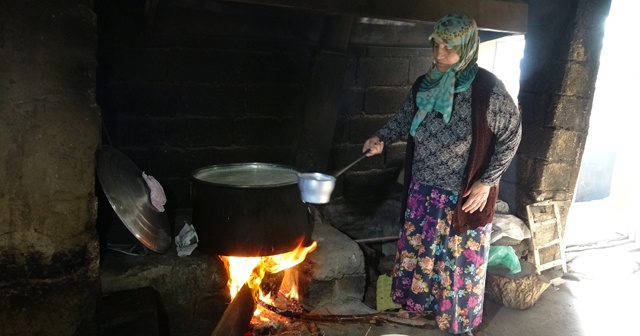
[[249, 209]]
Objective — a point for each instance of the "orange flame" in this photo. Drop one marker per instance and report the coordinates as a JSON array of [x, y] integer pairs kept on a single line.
[[251, 270]]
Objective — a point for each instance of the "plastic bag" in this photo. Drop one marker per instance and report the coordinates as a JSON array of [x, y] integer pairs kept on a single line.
[[505, 256]]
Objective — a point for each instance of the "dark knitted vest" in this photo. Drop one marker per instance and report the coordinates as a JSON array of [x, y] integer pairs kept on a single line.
[[480, 152]]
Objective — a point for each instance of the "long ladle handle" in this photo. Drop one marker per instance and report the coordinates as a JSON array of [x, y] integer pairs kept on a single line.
[[351, 165]]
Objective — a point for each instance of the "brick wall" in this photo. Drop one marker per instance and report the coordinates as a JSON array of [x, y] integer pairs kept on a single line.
[[197, 88], [557, 82], [206, 86], [377, 82]]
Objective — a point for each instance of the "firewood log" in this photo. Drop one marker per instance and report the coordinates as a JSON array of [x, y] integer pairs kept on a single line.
[[236, 318], [271, 283]]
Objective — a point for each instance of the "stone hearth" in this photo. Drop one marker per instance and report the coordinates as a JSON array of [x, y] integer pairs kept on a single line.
[[192, 289]]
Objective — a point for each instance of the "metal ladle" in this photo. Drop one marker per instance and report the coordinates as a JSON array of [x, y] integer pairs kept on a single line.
[[351, 164]]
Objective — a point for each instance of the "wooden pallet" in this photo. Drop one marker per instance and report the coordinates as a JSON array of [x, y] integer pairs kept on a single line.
[[545, 224]]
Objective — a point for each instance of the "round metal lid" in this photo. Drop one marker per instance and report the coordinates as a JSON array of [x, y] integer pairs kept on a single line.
[[128, 195]]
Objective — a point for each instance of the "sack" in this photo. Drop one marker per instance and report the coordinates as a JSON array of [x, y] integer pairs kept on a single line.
[[505, 256]]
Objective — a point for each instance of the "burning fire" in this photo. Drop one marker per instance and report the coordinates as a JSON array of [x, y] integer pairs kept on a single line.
[[251, 270]]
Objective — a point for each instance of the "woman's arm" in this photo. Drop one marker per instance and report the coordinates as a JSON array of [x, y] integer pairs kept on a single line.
[[398, 126], [505, 122]]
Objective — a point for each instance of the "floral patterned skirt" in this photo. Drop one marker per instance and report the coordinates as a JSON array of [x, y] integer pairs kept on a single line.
[[435, 270]]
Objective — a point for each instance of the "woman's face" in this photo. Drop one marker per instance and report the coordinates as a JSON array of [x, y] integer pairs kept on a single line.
[[444, 57]]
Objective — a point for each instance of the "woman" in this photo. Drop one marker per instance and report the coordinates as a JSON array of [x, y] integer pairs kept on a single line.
[[464, 130]]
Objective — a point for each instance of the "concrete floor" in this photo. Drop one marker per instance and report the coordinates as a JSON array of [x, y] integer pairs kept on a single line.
[[598, 296]]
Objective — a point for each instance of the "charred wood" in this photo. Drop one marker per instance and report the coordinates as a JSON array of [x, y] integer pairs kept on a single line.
[[235, 319]]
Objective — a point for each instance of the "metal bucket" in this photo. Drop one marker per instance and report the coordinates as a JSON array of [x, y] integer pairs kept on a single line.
[[316, 188]]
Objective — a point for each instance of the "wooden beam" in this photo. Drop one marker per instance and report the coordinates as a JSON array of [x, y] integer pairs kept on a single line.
[[499, 15], [236, 318]]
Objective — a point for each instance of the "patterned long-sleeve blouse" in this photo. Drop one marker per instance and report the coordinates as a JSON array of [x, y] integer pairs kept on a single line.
[[442, 149]]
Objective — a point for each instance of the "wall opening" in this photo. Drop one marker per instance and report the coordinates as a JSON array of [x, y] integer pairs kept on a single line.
[[502, 56]]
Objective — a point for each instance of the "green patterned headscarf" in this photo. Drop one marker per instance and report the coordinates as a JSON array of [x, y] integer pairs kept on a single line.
[[460, 33]]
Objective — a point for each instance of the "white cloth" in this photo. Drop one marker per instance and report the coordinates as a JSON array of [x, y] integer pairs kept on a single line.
[[157, 196]]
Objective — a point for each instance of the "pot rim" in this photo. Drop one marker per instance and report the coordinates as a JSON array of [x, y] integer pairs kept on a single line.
[[254, 165], [317, 177]]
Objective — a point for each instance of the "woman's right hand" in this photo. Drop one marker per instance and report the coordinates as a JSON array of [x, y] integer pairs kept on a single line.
[[374, 145]]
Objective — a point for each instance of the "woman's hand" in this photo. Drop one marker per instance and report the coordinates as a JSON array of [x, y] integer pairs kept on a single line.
[[477, 200], [374, 145]]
